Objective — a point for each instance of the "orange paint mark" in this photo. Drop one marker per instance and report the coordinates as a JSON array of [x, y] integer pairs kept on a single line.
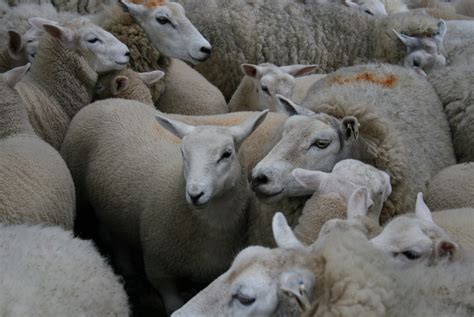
[[388, 81], [168, 136], [150, 3]]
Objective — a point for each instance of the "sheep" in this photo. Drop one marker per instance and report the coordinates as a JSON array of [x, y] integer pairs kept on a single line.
[[203, 195], [452, 188], [35, 184], [157, 45], [367, 113], [14, 54], [48, 272], [328, 35], [340, 275], [263, 82], [127, 84], [81, 50]]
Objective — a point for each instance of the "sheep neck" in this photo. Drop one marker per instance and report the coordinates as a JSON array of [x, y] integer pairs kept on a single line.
[[64, 75], [13, 115]]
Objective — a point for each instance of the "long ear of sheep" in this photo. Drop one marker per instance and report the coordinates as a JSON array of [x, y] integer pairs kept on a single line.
[[133, 9], [441, 32], [253, 71], [120, 83], [284, 236], [298, 70], [177, 128], [297, 284], [61, 33], [152, 77], [15, 44], [421, 209], [446, 248], [14, 75], [359, 203], [351, 4], [407, 40], [313, 180], [350, 126], [245, 129], [290, 108]]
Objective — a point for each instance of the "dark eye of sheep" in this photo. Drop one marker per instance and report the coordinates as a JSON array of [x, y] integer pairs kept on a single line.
[[225, 156], [243, 299], [265, 89], [368, 12], [162, 20], [411, 255], [94, 40], [321, 144]]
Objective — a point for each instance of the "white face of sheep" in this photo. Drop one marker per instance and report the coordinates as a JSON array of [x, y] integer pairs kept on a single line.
[[424, 53], [102, 51], [170, 31], [309, 141], [409, 240], [371, 7], [261, 282], [270, 81], [211, 165]]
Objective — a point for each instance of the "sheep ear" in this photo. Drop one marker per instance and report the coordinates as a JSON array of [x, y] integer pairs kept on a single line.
[[151, 77], [359, 203], [441, 32], [313, 180], [120, 84], [64, 34], [177, 128], [351, 4], [421, 210], [14, 75], [250, 70], [296, 284], [132, 8], [299, 70], [245, 129], [284, 236], [15, 44], [290, 108], [446, 248], [350, 128], [407, 40]]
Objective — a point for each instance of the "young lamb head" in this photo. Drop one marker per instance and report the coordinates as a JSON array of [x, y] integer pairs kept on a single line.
[[310, 141], [170, 30], [101, 50], [211, 165], [271, 80], [346, 177], [409, 240], [261, 282], [424, 53], [372, 7]]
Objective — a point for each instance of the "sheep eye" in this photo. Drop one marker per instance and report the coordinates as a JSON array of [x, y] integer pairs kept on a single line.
[[225, 156], [368, 12], [321, 144], [244, 300], [162, 20], [265, 89], [99, 88], [411, 255], [94, 40], [29, 41]]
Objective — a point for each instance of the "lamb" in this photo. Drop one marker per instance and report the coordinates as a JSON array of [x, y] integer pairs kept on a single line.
[[127, 84], [314, 38], [81, 50], [342, 274], [35, 184], [48, 272], [215, 181], [157, 45], [263, 82], [367, 113], [452, 188]]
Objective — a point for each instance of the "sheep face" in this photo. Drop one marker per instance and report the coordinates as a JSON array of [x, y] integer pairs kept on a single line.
[[408, 240], [170, 31], [31, 38], [101, 50], [211, 165], [270, 81], [309, 141]]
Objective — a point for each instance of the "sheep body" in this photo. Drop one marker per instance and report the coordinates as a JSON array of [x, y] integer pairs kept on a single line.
[[48, 272]]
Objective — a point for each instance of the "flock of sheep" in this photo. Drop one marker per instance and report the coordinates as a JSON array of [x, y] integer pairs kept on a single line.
[[291, 170]]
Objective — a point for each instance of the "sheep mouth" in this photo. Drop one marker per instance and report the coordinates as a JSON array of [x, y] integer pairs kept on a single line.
[[199, 60], [268, 196], [122, 63]]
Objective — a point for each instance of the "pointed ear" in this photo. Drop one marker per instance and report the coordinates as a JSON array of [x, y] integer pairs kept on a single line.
[[245, 129], [14, 75], [313, 180], [63, 34], [407, 40], [283, 235], [290, 108], [351, 4], [350, 128], [441, 32], [120, 84], [446, 248], [15, 44], [299, 70], [132, 8], [250, 70], [359, 203], [151, 77], [421, 210], [177, 128], [297, 284]]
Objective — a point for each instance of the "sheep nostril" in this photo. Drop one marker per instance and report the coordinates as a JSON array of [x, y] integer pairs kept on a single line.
[[127, 54], [206, 50], [195, 198], [261, 179], [416, 64]]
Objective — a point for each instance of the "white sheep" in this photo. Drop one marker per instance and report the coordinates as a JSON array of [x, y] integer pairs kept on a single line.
[[261, 84], [62, 78], [48, 272], [35, 184], [199, 209]]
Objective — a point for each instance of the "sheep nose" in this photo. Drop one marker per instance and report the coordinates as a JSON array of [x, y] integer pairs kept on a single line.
[[127, 54], [260, 179], [416, 63], [195, 198], [206, 50]]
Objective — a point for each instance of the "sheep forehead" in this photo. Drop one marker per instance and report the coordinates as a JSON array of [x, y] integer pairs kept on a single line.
[[406, 232], [208, 139], [172, 9], [304, 128]]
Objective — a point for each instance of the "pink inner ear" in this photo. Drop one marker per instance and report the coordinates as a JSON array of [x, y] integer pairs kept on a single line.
[[446, 248], [54, 31]]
